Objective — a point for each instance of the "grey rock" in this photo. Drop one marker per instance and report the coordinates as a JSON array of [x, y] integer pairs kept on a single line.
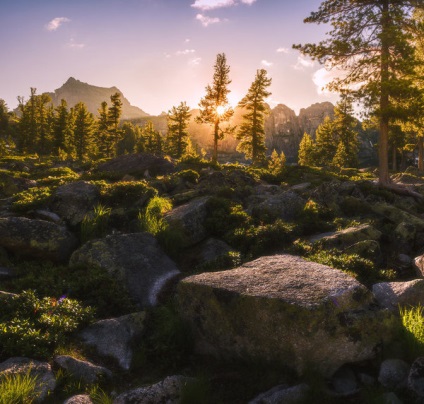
[[283, 395], [79, 399], [73, 201], [391, 295], [46, 381], [135, 259], [344, 382], [82, 370], [7, 273], [190, 219], [48, 216], [391, 398], [416, 377], [347, 237], [286, 206], [418, 264], [114, 337], [398, 216], [393, 374], [166, 391], [36, 239], [300, 304], [365, 248]]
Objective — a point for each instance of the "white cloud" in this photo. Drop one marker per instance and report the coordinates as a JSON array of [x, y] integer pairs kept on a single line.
[[54, 24], [206, 5], [282, 50], [195, 62], [205, 20], [303, 63], [185, 52], [266, 63], [74, 45], [187, 40]]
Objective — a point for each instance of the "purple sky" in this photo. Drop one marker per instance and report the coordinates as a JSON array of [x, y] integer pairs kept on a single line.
[[159, 52]]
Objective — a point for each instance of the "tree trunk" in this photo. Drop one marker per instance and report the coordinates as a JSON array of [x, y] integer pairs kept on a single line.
[[394, 157], [383, 142], [215, 143], [420, 153]]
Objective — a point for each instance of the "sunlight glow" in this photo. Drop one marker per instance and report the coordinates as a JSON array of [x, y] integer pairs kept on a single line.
[[220, 110]]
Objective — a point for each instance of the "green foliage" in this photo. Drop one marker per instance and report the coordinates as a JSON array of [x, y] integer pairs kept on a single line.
[[306, 156], [178, 136], [34, 327], [18, 388], [126, 193], [413, 330], [91, 285], [313, 217], [151, 220], [32, 198], [277, 164], [95, 224], [189, 175], [56, 176]]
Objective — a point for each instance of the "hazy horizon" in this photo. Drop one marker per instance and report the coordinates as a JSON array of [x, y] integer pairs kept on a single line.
[[160, 52]]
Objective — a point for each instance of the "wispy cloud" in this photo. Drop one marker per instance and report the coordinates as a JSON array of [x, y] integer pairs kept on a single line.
[[282, 50], [187, 40], [75, 45], [185, 52], [206, 21], [303, 63], [195, 62], [206, 5], [54, 24], [266, 63]]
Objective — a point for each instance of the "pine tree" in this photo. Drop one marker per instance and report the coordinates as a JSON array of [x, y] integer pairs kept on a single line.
[[325, 143], [177, 136], [306, 156], [62, 130], [371, 42], [83, 139], [114, 116], [214, 107], [103, 136], [277, 163], [252, 132]]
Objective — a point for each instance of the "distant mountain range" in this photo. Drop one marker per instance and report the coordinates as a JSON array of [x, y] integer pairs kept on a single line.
[[74, 91]]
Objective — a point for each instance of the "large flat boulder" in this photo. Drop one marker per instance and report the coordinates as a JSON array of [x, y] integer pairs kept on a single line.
[[36, 239], [135, 259], [285, 309]]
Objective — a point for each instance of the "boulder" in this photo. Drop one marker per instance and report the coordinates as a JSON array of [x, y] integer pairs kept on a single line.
[[82, 370], [286, 206], [166, 391], [344, 382], [391, 295], [79, 399], [114, 337], [365, 248], [36, 239], [310, 315], [347, 237], [283, 394], [190, 219], [46, 381], [137, 165], [418, 264], [135, 259], [13, 185], [73, 201], [398, 216], [416, 377], [393, 374]]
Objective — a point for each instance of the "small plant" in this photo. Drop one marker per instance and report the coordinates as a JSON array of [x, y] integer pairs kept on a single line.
[[413, 330], [99, 396], [18, 388], [34, 327], [126, 193], [189, 175], [151, 220], [95, 225], [32, 198]]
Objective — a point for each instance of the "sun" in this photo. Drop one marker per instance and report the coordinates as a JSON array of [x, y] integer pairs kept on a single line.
[[220, 110]]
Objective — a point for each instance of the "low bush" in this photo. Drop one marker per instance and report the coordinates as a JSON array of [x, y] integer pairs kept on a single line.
[[189, 175], [33, 198], [126, 193], [34, 327]]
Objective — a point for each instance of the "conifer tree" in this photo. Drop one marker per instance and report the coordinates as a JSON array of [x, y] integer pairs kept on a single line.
[[83, 140], [62, 130], [114, 116], [103, 137], [326, 142], [371, 42], [252, 132], [306, 155], [277, 163], [214, 109], [177, 136]]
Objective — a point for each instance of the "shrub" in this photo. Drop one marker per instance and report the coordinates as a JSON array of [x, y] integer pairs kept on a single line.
[[151, 220], [95, 225], [126, 193], [413, 330], [33, 198], [189, 175], [34, 327], [19, 388], [56, 176]]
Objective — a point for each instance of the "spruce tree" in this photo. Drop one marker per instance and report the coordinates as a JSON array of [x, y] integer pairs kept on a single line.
[[114, 116], [83, 140], [177, 136], [62, 130], [326, 142], [214, 108], [306, 155], [252, 132]]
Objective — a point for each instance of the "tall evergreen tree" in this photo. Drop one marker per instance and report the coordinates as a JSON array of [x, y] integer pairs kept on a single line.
[[114, 116], [326, 142], [62, 129], [306, 156], [214, 108], [83, 140], [177, 136], [371, 42], [103, 136], [252, 132]]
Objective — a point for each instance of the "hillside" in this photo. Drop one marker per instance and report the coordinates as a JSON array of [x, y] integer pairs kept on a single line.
[[74, 91]]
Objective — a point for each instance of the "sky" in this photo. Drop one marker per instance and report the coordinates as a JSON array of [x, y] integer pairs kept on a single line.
[[160, 52]]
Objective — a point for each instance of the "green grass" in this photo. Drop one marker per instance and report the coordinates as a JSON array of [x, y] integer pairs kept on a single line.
[[20, 388], [151, 219], [413, 330], [95, 225]]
